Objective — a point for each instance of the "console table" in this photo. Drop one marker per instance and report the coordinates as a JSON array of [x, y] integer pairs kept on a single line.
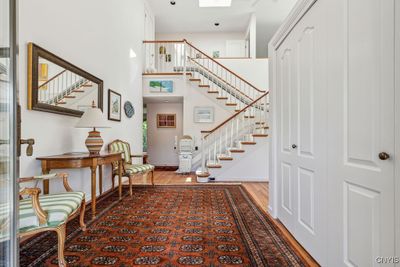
[[83, 160]]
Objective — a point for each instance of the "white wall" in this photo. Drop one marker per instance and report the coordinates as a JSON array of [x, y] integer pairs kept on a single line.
[[254, 71], [161, 150], [194, 99], [249, 166], [207, 42], [193, 96], [251, 35], [96, 35]]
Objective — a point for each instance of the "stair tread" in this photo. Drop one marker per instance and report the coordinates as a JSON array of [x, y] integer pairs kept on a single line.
[[69, 96], [231, 104], [260, 135], [248, 142], [214, 166], [78, 91], [204, 86], [194, 80], [213, 92], [222, 97], [202, 174], [225, 158], [237, 150], [249, 117]]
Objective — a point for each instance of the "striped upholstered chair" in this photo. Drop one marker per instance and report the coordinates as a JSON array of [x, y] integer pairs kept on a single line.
[[130, 170], [40, 213]]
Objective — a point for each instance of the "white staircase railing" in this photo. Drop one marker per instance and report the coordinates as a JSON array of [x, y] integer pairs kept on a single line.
[[56, 89], [251, 103], [181, 57], [219, 143]]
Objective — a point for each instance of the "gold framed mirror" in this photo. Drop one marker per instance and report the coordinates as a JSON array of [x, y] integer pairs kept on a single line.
[[57, 86]]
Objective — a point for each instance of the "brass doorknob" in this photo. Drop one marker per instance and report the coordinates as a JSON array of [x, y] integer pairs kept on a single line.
[[294, 146], [384, 156]]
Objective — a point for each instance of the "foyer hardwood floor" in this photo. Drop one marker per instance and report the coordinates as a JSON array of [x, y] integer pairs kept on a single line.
[[258, 190]]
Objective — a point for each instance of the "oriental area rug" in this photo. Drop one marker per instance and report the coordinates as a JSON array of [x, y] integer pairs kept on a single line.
[[170, 226]]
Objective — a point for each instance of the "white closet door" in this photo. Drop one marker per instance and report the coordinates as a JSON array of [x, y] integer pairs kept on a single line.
[[285, 114], [310, 140], [365, 179], [302, 140]]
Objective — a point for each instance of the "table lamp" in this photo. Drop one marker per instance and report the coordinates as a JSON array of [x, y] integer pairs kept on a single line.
[[93, 118]]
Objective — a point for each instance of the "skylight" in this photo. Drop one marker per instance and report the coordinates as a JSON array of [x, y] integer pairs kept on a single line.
[[215, 3]]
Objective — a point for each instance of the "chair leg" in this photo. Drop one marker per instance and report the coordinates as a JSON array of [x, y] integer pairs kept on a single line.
[[82, 215], [130, 185], [60, 230], [152, 178]]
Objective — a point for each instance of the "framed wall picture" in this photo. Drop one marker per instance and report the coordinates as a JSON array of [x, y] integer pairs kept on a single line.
[[166, 86], [114, 105], [216, 54], [166, 120], [203, 114]]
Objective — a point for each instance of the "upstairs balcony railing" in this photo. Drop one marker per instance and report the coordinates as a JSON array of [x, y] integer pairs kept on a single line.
[[183, 58]]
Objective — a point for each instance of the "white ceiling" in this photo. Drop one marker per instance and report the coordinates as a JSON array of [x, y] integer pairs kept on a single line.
[[187, 17], [270, 15]]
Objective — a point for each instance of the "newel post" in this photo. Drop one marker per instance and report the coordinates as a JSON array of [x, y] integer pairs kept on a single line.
[[184, 61], [203, 156]]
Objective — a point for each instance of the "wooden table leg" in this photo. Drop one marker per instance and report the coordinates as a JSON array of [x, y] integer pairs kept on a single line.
[[93, 172], [46, 182], [120, 178], [101, 179]]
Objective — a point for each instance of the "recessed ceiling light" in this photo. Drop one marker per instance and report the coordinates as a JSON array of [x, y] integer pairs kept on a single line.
[[215, 3]]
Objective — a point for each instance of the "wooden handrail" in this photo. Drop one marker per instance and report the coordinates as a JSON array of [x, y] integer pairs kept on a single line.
[[207, 69], [158, 42], [216, 62], [52, 79], [233, 116], [207, 56]]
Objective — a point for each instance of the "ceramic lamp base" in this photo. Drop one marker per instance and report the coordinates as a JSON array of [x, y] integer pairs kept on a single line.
[[94, 143]]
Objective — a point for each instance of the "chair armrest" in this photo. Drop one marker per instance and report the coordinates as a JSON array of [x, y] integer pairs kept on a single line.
[[43, 177], [34, 193], [48, 176]]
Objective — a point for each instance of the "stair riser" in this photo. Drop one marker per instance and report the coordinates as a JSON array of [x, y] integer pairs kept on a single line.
[[240, 168]]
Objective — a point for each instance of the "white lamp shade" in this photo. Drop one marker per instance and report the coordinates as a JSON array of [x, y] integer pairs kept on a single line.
[[93, 118]]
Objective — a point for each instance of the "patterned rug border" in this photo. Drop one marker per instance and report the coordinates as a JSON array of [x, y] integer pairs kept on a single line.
[[274, 222]]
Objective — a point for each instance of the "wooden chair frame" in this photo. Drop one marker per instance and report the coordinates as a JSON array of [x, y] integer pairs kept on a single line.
[[124, 173], [42, 215]]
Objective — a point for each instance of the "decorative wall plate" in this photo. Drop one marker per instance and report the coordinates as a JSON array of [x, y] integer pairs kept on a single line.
[[129, 109]]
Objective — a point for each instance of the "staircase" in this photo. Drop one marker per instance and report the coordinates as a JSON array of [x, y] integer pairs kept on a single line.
[[63, 88], [239, 133]]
